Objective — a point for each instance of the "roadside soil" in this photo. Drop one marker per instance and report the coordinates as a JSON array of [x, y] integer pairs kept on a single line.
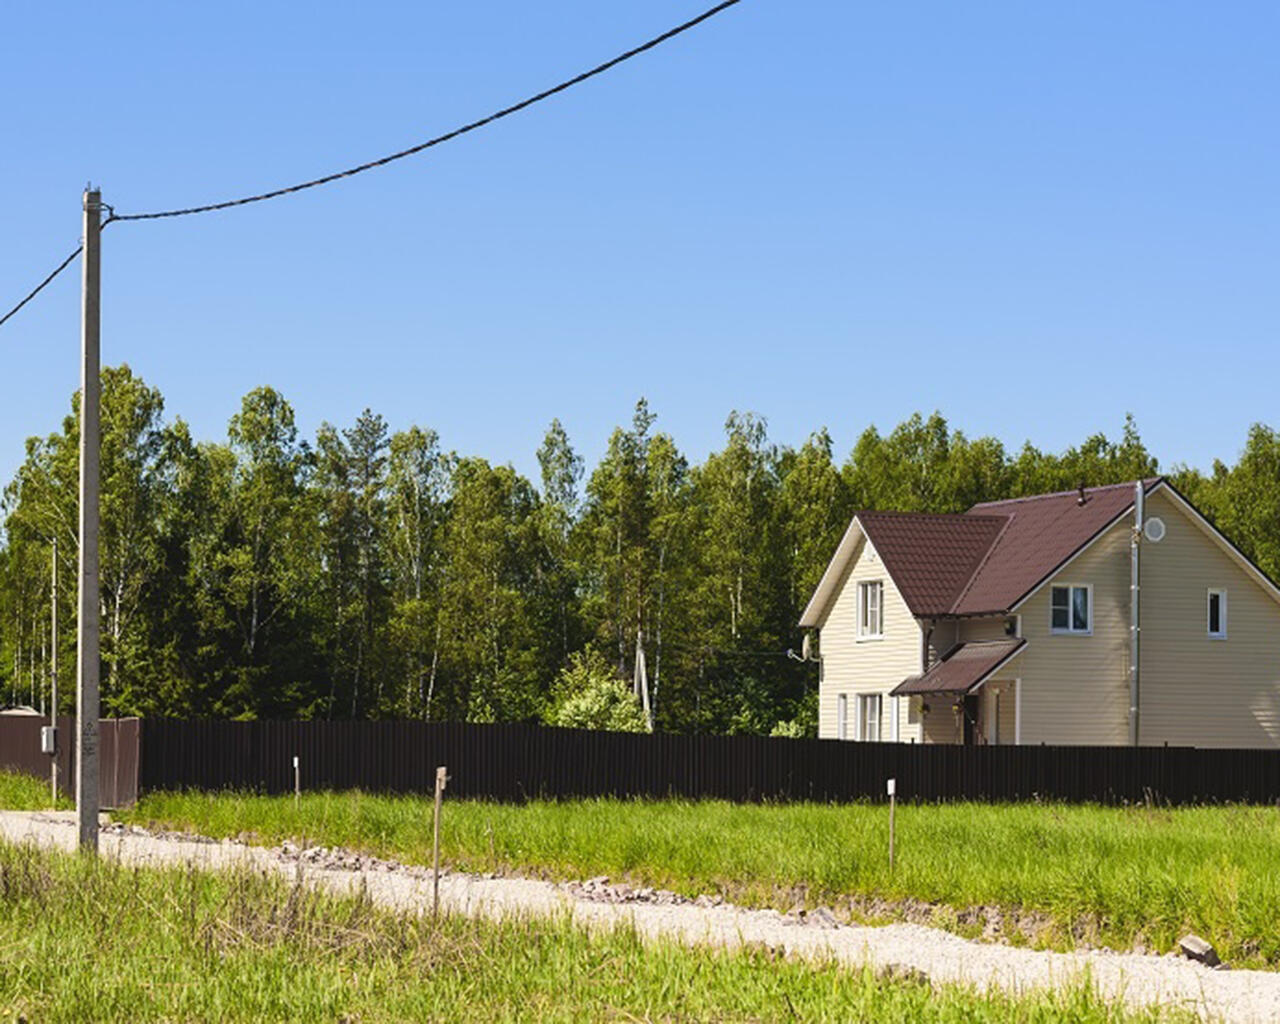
[[896, 950]]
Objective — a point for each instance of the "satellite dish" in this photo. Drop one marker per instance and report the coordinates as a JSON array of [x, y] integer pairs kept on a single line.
[[1153, 529], [806, 648]]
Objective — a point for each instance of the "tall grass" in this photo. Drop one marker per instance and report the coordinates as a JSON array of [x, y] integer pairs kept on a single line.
[[1114, 876], [84, 940], [20, 792]]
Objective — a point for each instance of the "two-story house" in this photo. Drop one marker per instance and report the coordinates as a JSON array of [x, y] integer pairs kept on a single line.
[[1012, 623]]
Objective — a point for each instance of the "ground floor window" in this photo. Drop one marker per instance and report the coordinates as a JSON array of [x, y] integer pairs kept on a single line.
[[842, 717], [869, 706]]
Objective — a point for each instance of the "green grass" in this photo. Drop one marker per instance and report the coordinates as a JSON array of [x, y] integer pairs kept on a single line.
[[26, 793], [84, 940], [1062, 875]]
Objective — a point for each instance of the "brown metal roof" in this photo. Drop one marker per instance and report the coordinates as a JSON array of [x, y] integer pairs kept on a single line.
[[931, 557], [962, 668], [1042, 533], [988, 559]]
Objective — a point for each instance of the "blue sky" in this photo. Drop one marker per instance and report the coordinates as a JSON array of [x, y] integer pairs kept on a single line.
[[1033, 217]]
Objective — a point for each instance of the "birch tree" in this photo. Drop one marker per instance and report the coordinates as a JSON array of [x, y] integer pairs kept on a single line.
[[417, 495]]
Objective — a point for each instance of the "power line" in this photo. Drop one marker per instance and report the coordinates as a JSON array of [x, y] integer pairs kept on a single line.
[[40, 287], [448, 136], [383, 161]]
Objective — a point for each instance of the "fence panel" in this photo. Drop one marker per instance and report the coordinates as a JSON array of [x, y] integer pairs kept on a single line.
[[118, 755], [518, 762]]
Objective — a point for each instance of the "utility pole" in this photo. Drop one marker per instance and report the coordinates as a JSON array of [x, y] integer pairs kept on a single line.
[[87, 621], [53, 670], [1135, 611]]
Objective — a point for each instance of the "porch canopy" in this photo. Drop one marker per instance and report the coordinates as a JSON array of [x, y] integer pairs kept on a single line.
[[963, 668]]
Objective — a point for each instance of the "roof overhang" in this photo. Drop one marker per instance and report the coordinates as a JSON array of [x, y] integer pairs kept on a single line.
[[815, 612], [963, 669]]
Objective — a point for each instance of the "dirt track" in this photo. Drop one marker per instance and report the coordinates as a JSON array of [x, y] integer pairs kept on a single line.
[[942, 956]]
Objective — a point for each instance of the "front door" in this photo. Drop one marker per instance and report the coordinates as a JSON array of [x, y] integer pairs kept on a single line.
[[970, 716]]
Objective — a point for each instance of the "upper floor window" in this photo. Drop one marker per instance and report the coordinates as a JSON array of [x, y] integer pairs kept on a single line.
[[870, 610], [1071, 609], [1218, 614]]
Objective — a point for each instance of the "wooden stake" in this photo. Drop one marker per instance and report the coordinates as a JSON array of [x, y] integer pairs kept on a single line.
[[893, 799], [442, 777], [297, 783]]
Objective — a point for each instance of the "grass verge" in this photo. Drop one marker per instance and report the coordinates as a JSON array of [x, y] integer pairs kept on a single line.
[[1047, 875], [20, 792], [87, 940]]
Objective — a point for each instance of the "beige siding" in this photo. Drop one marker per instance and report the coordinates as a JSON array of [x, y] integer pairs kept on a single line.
[[988, 628], [941, 723], [942, 637], [1198, 691], [1076, 688], [852, 666], [996, 697], [999, 711]]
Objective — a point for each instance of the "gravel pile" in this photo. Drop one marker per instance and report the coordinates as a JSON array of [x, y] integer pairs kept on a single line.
[[898, 950]]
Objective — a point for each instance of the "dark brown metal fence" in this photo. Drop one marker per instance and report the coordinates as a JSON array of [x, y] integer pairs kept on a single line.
[[517, 762], [117, 761]]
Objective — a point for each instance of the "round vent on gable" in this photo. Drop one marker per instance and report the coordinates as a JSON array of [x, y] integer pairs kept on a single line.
[[1153, 529]]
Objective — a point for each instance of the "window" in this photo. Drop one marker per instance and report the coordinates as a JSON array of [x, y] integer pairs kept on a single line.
[[870, 610], [1071, 609], [869, 717], [842, 717], [1218, 614]]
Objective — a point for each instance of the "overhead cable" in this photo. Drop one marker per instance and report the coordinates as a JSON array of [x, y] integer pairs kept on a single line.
[[40, 287], [448, 136], [383, 161]]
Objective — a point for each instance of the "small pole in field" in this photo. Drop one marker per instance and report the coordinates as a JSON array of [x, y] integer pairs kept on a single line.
[[892, 787], [441, 778], [297, 783]]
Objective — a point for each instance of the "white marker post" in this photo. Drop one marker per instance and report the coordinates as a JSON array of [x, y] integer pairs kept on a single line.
[[442, 776], [297, 783], [892, 787]]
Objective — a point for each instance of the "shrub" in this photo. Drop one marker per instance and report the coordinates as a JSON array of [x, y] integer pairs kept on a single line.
[[590, 695]]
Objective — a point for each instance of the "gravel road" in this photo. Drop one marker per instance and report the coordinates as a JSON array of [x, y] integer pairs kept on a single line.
[[942, 957]]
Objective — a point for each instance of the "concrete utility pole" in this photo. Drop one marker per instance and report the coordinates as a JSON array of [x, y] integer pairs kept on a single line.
[[1135, 610], [87, 621], [53, 670]]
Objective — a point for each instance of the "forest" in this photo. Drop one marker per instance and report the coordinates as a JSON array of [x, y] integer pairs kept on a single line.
[[371, 572]]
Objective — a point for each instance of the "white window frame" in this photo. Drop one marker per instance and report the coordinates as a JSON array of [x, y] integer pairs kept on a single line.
[[842, 716], [863, 720], [864, 588], [1069, 629], [1222, 613]]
